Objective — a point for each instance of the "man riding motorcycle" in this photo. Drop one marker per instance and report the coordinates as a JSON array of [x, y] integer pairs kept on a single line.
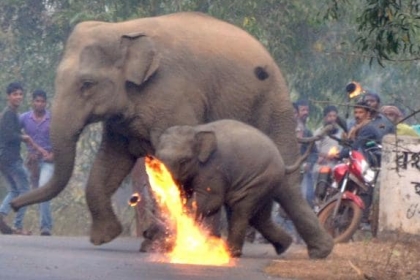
[[362, 136]]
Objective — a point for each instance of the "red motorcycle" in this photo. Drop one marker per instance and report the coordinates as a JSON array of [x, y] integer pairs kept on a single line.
[[337, 191]]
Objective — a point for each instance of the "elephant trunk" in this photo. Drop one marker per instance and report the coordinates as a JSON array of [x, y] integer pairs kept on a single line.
[[63, 139]]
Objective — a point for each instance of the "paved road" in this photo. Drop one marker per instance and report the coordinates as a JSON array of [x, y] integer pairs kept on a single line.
[[74, 258]]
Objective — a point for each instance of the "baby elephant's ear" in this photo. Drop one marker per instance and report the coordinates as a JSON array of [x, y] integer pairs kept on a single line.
[[206, 144]]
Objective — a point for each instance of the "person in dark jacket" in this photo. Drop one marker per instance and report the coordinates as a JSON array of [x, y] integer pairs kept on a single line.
[[11, 163], [360, 135], [363, 132], [378, 120]]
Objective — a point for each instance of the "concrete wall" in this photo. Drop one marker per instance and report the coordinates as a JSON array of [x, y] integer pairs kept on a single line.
[[400, 185]]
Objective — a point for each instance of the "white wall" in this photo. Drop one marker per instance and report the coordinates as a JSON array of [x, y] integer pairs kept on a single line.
[[400, 185]]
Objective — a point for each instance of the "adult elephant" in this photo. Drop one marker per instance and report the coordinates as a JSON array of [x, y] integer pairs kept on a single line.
[[142, 76]]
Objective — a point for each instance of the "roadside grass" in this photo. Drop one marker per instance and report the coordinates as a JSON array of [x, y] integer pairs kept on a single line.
[[370, 259]]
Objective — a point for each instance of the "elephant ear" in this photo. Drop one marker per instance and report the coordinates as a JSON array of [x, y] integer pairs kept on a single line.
[[207, 144], [140, 57]]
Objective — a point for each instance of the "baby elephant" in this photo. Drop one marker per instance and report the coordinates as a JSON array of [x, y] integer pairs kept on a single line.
[[228, 163]]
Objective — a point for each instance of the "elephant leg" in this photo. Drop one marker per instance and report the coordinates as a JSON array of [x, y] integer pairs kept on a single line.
[[112, 164], [263, 222], [212, 223], [318, 241], [288, 194], [238, 221]]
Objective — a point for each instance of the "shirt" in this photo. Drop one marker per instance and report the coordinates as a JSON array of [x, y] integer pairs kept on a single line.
[[383, 125], [366, 134], [38, 131], [325, 144], [10, 136], [405, 129]]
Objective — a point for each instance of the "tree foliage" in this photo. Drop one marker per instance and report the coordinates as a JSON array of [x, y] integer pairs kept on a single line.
[[318, 57], [388, 29]]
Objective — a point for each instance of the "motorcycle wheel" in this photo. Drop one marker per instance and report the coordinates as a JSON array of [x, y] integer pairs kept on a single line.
[[346, 222]]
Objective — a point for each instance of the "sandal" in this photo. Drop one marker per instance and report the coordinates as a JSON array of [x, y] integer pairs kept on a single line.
[[21, 232], [4, 227]]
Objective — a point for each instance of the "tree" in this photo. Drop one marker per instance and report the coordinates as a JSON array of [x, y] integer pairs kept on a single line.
[[388, 29]]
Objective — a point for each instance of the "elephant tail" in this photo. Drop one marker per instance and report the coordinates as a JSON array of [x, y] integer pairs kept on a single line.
[[311, 140], [295, 166]]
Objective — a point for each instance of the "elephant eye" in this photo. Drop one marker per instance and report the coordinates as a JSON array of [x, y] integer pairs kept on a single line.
[[87, 84]]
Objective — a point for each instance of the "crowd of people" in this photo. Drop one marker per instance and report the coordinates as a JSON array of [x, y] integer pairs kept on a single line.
[[369, 124], [32, 128]]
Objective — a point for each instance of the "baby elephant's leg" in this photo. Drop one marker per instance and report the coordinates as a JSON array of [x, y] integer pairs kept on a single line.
[[264, 223], [212, 223], [238, 221]]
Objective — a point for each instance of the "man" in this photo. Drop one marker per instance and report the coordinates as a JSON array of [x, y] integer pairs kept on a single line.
[[395, 116], [11, 164], [36, 123], [364, 130], [361, 133], [325, 144], [302, 130], [379, 121]]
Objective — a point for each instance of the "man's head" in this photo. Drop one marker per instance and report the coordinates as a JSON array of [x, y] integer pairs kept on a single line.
[[373, 100], [330, 114], [362, 111], [39, 101], [302, 110], [14, 94], [392, 113]]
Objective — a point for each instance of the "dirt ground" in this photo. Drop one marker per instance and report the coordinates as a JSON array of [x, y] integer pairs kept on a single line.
[[393, 257]]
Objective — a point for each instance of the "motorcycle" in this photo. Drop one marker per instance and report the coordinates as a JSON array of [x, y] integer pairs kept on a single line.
[[338, 191]]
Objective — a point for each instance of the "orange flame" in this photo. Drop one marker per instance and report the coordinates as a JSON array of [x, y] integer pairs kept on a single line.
[[193, 245], [333, 151]]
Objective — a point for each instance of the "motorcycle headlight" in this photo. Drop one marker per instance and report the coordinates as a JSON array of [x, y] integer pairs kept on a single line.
[[367, 173]]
